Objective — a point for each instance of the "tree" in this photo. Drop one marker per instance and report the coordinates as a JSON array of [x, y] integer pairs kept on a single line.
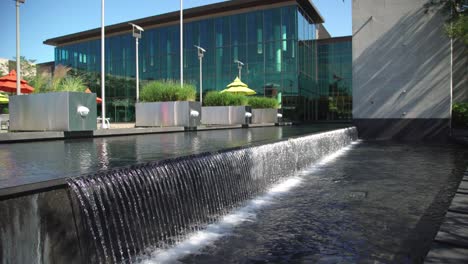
[[28, 67], [456, 25]]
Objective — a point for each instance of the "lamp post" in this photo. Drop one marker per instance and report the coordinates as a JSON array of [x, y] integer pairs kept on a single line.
[[137, 30], [201, 51], [103, 73], [18, 58], [181, 43], [239, 66]]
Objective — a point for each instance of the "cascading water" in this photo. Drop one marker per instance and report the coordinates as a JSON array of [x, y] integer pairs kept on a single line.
[[126, 211]]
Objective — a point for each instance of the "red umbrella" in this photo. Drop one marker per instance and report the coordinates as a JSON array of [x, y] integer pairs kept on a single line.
[[98, 100], [8, 84]]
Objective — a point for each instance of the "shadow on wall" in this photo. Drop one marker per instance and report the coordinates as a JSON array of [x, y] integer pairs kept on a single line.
[[404, 73], [460, 72]]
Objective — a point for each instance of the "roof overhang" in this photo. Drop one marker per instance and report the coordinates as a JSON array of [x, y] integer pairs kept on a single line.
[[195, 13]]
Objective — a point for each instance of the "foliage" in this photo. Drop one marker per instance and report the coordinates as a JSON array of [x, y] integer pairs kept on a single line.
[[5, 110], [167, 91], [61, 81], [459, 28], [262, 102], [460, 115], [224, 99], [28, 68], [456, 25]]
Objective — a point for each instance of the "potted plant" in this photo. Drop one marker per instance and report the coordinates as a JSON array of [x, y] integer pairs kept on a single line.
[[58, 103], [225, 109], [168, 104], [264, 110]]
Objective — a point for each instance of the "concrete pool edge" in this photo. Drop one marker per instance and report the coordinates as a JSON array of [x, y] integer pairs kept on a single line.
[[450, 245], [17, 137]]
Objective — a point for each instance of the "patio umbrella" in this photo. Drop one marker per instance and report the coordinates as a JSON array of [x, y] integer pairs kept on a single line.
[[238, 87], [8, 84], [4, 99], [98, 100]]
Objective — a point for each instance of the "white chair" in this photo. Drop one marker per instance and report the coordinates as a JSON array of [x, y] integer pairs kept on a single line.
[[106, 121]]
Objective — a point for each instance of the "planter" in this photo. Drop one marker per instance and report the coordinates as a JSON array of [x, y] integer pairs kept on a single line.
[[168, 114], [264, 115], [226, 115], [61, 111]]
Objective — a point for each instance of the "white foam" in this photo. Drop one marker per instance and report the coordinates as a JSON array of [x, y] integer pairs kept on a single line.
[[198, 240]]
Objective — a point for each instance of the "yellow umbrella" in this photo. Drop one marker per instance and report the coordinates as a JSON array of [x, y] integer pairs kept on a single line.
[[238, 87], [4, 99]]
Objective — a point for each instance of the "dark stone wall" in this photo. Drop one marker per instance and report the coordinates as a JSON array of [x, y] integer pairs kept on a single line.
[[39, 228], [403, 129]]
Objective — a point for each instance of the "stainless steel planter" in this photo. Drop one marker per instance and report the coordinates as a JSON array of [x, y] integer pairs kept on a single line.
[[226, 115], [168, 114], [61, 111], [266, 115]]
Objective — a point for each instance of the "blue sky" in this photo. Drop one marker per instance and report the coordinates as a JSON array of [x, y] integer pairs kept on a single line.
[[44, 19]]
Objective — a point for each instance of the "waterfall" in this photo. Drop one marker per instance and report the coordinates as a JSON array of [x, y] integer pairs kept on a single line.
[[123, 212]]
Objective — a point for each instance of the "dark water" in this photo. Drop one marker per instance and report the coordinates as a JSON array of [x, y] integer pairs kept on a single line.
[[378, 203], [156, 205], [24, 163]]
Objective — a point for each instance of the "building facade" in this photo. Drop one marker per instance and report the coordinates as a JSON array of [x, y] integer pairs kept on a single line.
[[406, 72], [276, 43], [335, 79]]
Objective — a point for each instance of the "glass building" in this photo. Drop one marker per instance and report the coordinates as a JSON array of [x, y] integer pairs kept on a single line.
[[334, 93], [276, 43]]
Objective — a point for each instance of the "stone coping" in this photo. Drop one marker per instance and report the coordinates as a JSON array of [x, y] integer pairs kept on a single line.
[[12, 137]]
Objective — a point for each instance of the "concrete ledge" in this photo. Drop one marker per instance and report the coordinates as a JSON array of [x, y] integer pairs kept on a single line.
[[12, 137], [403, 129], [451, 242], [135, 131], [447, 254], [459, 203], [26, 136], [454, 230]]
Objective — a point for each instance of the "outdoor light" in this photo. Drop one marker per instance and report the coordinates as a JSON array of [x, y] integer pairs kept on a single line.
[[103, 73], [239, 66], [181, 43], [137, 30], [201, 51], [18, 58]]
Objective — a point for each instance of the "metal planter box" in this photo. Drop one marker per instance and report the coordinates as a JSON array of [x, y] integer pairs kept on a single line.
[[225, 115], [264, 115], [168, 114], [60, 111]]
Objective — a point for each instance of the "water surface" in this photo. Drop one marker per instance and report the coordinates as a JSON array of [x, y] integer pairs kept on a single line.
[[380, 202]]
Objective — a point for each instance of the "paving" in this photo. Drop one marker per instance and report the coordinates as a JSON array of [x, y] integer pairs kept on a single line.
[[451, 242]]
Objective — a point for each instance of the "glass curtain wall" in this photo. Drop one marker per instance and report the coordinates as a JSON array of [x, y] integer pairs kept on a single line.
[[335, 79], [304, 105], [266, 41]]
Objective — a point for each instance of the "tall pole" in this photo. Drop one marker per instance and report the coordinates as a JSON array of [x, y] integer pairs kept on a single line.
[[240, 71], [18, 59], [201, 81], [181, 43], [103, 73], [137, 74]]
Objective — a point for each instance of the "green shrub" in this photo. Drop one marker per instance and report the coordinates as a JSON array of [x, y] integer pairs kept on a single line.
[[460, 115], [61, 81], [167, 91], [71, 84], [263, 102], [5, 110], [224, 99]]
